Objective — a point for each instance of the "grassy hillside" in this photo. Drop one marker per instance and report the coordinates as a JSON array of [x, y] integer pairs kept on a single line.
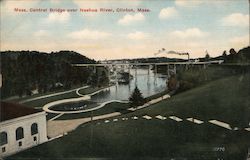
[[226, 99]]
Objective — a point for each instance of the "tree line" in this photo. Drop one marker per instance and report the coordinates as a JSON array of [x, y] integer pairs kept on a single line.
[[24, 71]]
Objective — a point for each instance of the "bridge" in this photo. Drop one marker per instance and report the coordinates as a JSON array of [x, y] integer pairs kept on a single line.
[[146, 64], [171, 66]]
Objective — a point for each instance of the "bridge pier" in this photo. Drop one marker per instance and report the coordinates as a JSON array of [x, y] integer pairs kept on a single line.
[[204, 66], [168, 71], [148, 74], [174, 69], [116, 77], [148, 70], [135, 75], [94, 69], [129, 72], [155, 74]]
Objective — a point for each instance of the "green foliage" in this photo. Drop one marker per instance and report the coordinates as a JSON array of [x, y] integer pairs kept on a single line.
[[136, 99], [197, 75], [232, 51], [24, 71], [172, 82], [98, 78], [243, 56], [104, 79]]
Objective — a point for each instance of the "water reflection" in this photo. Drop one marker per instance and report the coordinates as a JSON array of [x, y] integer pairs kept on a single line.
[[149, 84]]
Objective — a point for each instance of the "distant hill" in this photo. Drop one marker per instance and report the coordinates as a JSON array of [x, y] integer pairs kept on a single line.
[[71, 57], [152, 60], [24, 71], [66, 56]]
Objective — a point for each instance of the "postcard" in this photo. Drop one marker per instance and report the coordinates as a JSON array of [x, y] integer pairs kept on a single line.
[[125, 79]]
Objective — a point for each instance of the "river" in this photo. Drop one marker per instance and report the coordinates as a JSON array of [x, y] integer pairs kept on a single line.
[[148, 84]]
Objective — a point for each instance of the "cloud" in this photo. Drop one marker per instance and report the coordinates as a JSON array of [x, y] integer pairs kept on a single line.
[[181, 2], [240, 41], [188, 3], [236, 19], [189, 33], [137, 35], [130, 19], [167, 13], [58, 17], [41, 33], [89, 34]]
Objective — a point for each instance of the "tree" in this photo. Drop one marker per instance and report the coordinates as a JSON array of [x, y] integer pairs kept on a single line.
[[93, 79], [232, 51], [24, 71], [233, 55], [172, 83], [207, 57], [136, 99], [224, 54], [104, 79]]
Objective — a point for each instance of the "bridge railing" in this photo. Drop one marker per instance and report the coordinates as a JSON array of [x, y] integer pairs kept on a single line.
[[145, 64]]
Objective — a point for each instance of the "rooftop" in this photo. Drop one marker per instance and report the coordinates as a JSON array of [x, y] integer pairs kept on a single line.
[[11, 110]]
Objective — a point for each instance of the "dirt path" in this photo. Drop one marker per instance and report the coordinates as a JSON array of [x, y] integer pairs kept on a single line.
[[61, 127]]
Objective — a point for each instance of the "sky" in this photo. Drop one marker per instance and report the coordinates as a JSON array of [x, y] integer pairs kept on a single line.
[[193, 26]]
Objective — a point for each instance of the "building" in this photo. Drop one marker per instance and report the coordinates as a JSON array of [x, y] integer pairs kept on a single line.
[[20, 128]]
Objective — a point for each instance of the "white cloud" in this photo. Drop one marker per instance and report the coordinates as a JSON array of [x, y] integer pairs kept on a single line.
[[181, 2], [189, 33], [236, 19], [137, 35], [58, 17], [41, 33], [167, 13], [240, 41], [89, 34], [130, 19]]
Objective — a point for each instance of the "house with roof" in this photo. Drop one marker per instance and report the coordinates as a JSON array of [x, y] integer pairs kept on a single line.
[[21, 127]]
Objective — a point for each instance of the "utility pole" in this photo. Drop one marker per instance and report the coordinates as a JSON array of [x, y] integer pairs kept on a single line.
[[91, 131]]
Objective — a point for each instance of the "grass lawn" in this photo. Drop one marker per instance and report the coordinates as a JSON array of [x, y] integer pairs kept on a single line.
[[109, 108], [225, 99], [41, 102], [41, 94], [90, 90]]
